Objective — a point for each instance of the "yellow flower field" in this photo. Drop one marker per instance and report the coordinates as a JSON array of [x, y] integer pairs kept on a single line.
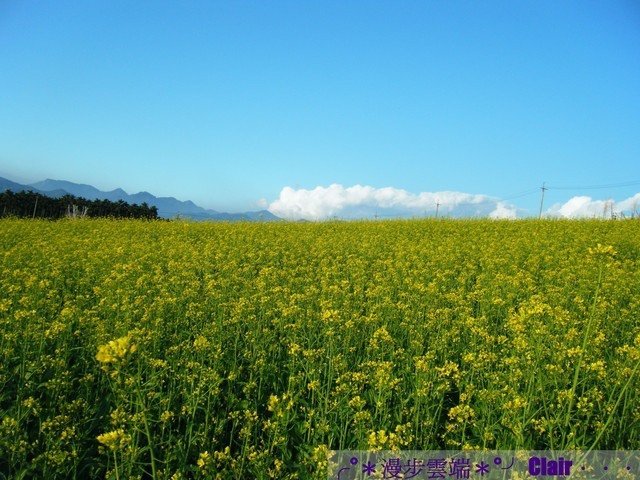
[[169, 350]]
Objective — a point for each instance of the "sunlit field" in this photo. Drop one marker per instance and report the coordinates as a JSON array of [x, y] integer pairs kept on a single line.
[[133, 349]]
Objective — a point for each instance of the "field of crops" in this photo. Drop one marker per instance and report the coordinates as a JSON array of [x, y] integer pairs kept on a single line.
[[133, 349]]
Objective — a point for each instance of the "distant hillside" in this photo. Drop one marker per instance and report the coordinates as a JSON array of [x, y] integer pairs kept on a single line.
[[78, 189], [17, 187], [13, 186], [168, 207]]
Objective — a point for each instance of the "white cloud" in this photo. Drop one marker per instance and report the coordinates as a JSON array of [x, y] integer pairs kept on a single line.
[[360, 201], [586, 207], [630, 205], [262, 203], [503, 211]]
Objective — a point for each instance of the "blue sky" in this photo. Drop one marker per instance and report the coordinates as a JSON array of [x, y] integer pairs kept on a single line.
[[228, 103]]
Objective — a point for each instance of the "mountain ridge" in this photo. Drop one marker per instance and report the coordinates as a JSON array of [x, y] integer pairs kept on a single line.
[[168, 207]]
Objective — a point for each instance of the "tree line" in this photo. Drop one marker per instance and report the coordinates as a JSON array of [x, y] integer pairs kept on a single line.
[[35, 205]]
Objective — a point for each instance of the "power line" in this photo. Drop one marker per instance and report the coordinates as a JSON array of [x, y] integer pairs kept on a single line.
[[521, 194], [595, 187]]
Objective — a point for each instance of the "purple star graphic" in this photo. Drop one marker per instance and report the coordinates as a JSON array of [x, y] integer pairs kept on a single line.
[[369, 468], [482, 468]]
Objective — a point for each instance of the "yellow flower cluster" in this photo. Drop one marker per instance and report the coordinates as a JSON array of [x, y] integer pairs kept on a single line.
[[115, 351], [200, 343], [602, 250], [204, 459], [115, 439], [393, 441]]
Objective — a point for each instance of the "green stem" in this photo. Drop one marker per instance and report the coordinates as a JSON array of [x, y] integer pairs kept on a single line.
[[585, 338], [115, 462], [148, 434], [611, 415]]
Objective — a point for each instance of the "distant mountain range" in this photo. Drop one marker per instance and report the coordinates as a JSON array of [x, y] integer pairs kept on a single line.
[[168, 207]]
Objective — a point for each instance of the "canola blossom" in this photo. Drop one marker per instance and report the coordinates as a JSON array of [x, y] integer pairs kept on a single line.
[[179, 350], [115, 351]]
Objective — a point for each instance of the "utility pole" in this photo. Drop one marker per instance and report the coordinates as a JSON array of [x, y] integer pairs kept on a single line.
[[608, 205], [613, 215], [437, 208], [34, 208], [542, 188]]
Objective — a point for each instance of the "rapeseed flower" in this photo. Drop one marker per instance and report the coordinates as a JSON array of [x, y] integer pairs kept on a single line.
[[115, 351]]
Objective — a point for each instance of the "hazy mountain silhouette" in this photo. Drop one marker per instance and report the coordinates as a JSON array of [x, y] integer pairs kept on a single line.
[[168, 207], [6, 184]]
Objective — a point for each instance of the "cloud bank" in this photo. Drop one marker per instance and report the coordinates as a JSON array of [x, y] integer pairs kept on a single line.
[[360, 201], [586, 207]]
